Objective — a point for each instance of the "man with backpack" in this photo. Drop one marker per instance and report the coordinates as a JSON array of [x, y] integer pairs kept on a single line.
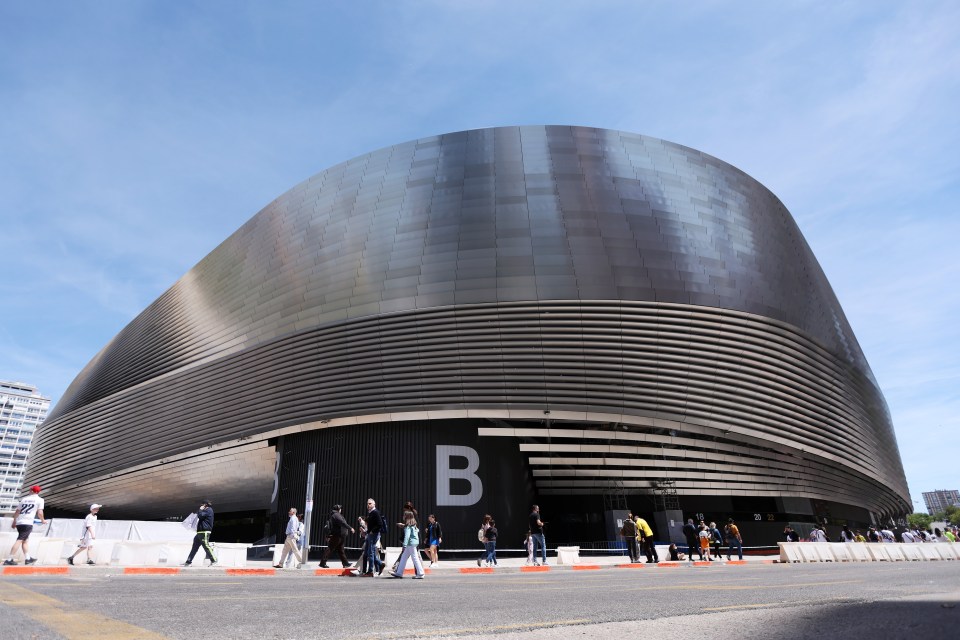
[[335, 530]]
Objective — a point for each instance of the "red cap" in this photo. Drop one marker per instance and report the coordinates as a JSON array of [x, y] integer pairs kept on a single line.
[[35, 488]]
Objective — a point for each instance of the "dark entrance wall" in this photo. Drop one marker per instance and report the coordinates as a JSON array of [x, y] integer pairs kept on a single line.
[[398, 461]]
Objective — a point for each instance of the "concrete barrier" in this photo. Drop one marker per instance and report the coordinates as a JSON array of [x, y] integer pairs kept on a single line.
[[129, 553], [231, 554], [568, 555], [867, 552]]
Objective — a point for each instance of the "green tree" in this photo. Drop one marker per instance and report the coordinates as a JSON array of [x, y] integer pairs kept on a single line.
[[951, 514], [919, 520]]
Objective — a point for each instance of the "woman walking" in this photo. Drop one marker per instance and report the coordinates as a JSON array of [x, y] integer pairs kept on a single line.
[[411, 540], [490, 542], [482, 537], [434, 539]]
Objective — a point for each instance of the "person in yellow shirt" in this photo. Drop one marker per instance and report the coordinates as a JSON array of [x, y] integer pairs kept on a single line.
[[646, 540]]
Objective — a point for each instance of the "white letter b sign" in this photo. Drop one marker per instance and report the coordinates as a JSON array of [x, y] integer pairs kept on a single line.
[[445, 474]]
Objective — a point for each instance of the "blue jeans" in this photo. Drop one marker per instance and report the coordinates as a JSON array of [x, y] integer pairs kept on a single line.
[[491, 551], [538, 539], [731, 543], [373, 563]]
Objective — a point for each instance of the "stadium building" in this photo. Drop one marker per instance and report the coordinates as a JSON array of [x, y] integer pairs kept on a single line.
[[584, 318]]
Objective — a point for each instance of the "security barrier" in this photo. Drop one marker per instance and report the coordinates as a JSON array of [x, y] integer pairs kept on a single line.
[[867, 552]]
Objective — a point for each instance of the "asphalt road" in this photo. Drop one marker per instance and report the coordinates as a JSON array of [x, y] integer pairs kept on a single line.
[[873, 601]]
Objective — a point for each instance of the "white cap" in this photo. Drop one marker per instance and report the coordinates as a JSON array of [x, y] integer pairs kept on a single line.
[[95, 506]]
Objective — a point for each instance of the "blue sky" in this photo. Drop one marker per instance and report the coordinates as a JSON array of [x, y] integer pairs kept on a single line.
[[136, 136]]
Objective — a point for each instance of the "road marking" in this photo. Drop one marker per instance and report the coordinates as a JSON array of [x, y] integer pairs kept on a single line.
[[68, 621], [785, 603], [482, 630], [745, 606]]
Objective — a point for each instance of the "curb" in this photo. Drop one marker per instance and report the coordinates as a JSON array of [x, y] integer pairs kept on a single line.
[[534, 569], [319, 571], [21, 571], [150, 571], [251, 572]]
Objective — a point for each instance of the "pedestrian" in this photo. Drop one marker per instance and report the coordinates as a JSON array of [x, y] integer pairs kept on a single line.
[[693, 539], [30, 507], [338, 531], [716, 538], [872, 535], [819, 534], [411, 540], [791, 534], [89, 535], [376, 525], [528, 543], [482, 537], [705, 537], [645, 534], [733, 539], [360, 566], [536, 530], [434, 539], [629, 533], [204, 529], [846, 535], [887, 536], [908, 536], [675, 555], [859, 536], [290, 540], [490, 542]]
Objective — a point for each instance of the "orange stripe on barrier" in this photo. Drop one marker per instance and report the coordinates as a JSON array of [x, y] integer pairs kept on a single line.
[[668, 565], [477, 570], [21, 571], [702, 563], [534, 569], [736, 562], [768, 561], [251, 572], [585, 567], [332, 572], [633, 565], [151, 571]]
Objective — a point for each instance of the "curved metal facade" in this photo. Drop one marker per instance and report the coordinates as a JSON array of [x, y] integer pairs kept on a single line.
[[657, 307]]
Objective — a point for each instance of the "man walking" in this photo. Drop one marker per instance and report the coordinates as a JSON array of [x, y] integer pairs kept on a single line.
[[646, 539], [692, 535], [629, 533], [376, 524], [338, 531], [89, 535], [733, 539], [536, 532], [290, 541], [204, 529], [30, 507]]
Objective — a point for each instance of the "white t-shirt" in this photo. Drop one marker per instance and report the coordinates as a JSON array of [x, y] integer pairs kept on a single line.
[[29, 507], [90, 522]]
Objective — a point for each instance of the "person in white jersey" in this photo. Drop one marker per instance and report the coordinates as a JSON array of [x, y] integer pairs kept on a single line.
[[30, 507], [89, 535]]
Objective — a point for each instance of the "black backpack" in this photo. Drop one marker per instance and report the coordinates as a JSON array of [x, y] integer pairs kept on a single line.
[[327, 528]]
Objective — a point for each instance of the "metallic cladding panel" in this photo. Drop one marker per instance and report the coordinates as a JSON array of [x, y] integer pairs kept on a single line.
[[527, 267]]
